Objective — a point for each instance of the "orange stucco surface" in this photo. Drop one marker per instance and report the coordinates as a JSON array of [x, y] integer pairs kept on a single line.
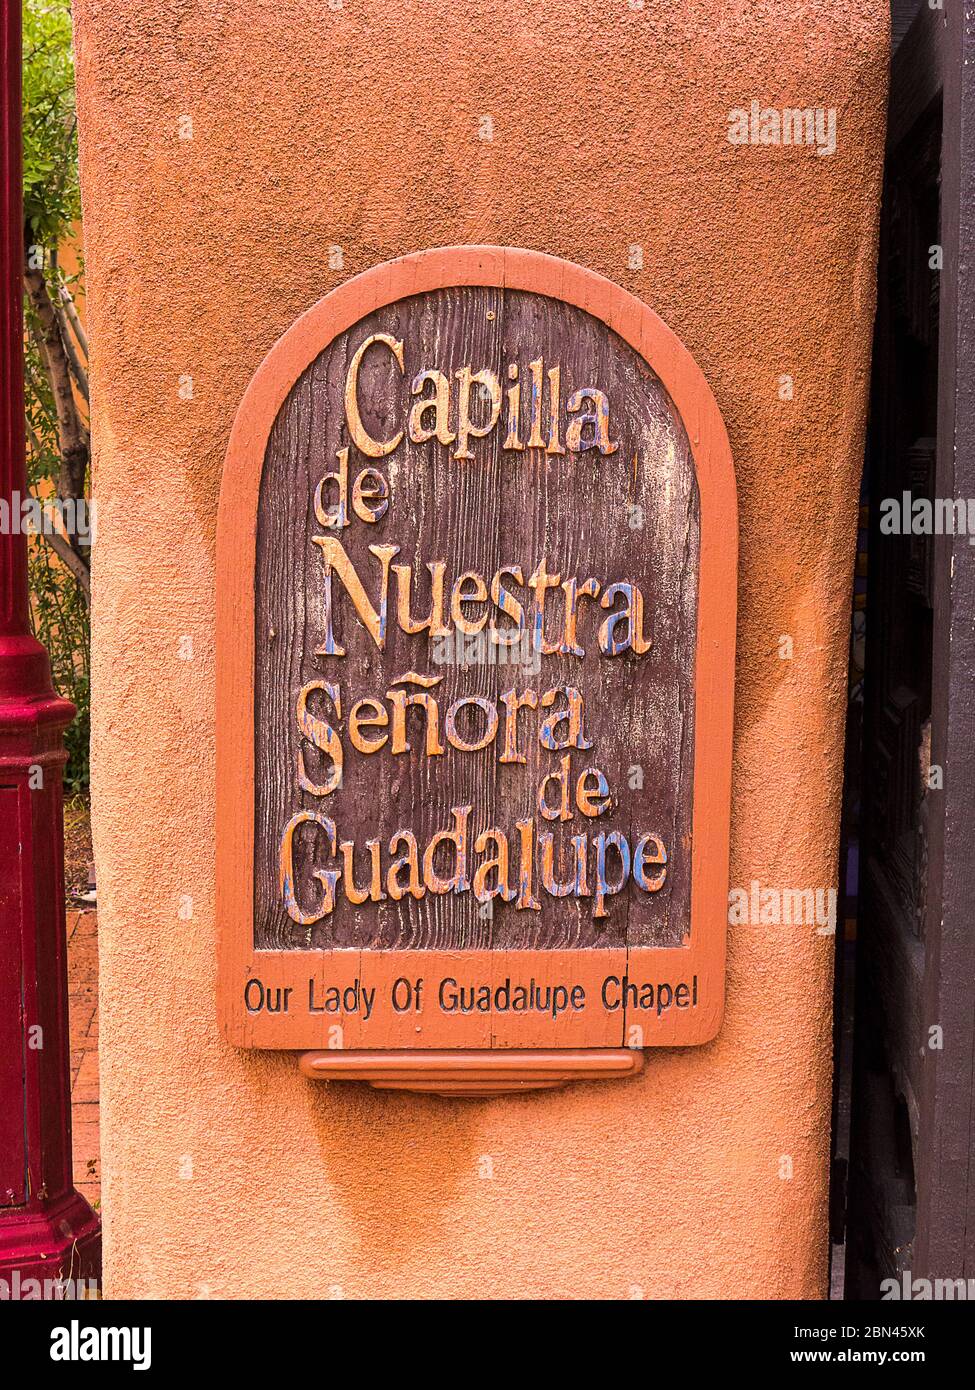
[[362, 128]]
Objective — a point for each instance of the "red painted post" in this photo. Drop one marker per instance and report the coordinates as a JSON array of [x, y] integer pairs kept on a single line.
[[47, 1230]]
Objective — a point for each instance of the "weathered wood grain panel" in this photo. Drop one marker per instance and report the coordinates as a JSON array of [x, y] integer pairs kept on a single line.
[[628, 514]]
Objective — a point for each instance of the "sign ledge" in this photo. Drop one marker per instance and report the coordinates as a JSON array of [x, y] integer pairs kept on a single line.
[[469, 1072]]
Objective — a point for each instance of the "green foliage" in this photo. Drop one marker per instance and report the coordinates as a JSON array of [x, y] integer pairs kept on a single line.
[[51, 197], [59, 612], [59, 616]]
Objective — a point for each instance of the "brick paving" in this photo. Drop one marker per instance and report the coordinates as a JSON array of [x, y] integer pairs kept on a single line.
[[83, 1022]]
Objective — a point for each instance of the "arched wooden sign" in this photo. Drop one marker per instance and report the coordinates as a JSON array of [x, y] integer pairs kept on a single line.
[[476, 632]]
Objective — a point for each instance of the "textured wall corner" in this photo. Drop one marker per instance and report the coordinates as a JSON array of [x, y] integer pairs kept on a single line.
[[239, 163]]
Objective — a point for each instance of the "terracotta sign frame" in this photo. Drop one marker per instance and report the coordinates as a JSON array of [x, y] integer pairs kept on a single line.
[[699, 964]]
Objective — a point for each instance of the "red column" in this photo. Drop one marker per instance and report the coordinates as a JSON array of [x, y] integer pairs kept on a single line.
[[47, 1230]]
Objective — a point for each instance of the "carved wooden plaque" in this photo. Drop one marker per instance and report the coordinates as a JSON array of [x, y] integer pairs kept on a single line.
[[475, 670]]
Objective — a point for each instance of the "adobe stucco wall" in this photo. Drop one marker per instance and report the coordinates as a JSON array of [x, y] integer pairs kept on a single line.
[[358, 127]]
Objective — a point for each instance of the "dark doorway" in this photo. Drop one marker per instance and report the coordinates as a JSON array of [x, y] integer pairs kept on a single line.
[[903, 1141]]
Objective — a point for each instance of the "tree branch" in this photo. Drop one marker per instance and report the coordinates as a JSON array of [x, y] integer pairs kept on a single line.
[[65, 552], [77, 370], [72, 434], [67, 299]]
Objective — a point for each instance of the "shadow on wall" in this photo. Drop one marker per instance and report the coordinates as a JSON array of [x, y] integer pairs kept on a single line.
[[396, 1160]]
